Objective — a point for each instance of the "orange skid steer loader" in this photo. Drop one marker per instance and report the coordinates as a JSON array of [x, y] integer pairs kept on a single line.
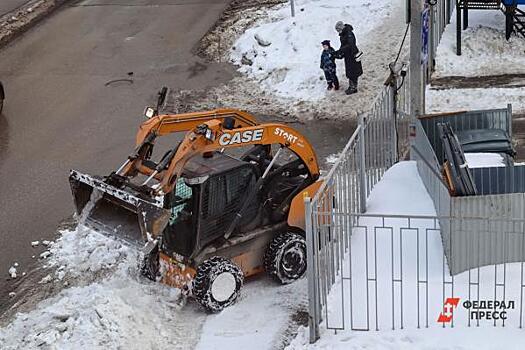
[[205, 218]]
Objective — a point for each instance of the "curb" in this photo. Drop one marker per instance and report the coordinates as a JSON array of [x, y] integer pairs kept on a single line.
[[20, 20]]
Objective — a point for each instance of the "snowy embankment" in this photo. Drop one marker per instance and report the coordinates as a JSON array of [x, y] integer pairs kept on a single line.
[[385, 297], [282, 54]]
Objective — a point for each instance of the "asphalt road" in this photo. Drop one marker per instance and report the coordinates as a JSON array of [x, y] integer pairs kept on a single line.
[[60, 115], [9, 5]]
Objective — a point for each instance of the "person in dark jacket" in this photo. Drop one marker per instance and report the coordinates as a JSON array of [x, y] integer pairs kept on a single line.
[[351, 55], [328, 65]]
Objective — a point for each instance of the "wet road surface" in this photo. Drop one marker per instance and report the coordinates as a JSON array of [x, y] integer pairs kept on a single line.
[[10, 5], [60, 115]]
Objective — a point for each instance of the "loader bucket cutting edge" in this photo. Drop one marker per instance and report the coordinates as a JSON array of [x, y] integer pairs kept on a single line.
[[115, 212]]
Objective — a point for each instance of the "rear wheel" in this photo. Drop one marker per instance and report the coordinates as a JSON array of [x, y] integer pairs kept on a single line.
[[217, 283], [285, 259]]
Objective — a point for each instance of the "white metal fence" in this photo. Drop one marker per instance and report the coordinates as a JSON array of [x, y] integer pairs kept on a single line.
[[382, 272], [372, 150]]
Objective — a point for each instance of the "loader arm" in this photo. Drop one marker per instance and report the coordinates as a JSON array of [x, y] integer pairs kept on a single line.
[[211, 136], [170, 123]]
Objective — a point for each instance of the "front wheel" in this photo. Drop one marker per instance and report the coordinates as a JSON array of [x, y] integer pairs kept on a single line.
[[217, 283], [285, 259]]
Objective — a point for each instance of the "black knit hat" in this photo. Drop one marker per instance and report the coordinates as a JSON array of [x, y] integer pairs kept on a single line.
[[326, 42]]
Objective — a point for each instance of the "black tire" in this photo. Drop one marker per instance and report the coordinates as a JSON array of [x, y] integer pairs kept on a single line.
[[206, 285], [285, 259], [150, 265]]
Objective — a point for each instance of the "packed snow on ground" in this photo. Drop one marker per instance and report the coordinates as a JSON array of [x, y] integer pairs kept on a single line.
[[452, 100], [121, 310], [486, 338], [484, 160], [106, 304], [484, 50], [262, 319], [97, 253], [401, 192], [289, 67]]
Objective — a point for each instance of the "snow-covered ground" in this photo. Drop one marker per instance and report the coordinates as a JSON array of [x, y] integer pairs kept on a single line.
[[389, 196], [484, 52], [289, 66], [287, 73], [485, 338], [106, 304], [484, 48], [452, 100]]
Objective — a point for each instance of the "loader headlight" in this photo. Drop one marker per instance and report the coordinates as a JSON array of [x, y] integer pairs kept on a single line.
[[150, 112]]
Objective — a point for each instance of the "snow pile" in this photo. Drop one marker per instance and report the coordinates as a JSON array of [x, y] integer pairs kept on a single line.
[[122, 310], [484, 48], [82, 250], [289, 65], [118, 312]]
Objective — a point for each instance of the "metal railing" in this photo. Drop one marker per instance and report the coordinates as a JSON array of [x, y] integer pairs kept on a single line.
[[373, 148], [336, 211], [394, 274]]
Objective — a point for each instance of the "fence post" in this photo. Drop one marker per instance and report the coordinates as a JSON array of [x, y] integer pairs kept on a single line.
[[311, 273], [362, 166], [509, 119], [394, 118]]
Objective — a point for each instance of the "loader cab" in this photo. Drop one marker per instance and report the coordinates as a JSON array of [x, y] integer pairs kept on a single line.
[[208, 195]]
